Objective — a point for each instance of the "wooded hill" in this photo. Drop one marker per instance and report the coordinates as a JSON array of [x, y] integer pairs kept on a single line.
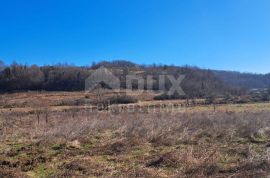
[[245, 80], [197, 83]]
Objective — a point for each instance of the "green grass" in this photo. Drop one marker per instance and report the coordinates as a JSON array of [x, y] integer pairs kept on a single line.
[[43, 172], [58, 147]]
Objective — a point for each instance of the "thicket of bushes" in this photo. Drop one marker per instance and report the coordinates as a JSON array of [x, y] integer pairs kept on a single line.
[[166, 96], [122, 99]]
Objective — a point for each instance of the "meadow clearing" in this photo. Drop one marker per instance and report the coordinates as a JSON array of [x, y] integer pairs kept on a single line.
[[56, 134]]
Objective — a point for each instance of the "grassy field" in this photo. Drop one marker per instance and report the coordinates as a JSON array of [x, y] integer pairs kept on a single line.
[[55, 134]]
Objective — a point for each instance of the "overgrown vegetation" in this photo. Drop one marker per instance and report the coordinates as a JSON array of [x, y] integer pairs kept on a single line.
[[244, 80], [176, 144], [197, 82], [212, 131]]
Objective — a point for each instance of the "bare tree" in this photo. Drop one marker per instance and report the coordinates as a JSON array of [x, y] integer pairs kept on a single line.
[[2, 65]]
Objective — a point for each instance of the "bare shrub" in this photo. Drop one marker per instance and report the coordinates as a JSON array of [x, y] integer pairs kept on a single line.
[[188, 144]]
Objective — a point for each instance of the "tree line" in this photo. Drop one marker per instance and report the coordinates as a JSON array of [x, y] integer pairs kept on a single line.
[[197, 82]]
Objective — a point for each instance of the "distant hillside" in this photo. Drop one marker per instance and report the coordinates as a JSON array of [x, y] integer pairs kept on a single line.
[[197, 83], [245, 80]]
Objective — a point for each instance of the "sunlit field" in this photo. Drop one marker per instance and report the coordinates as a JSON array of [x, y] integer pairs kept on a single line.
[[66, 138]]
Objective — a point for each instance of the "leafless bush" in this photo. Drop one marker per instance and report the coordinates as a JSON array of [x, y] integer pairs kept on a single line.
[[158, 128], [196, 144]]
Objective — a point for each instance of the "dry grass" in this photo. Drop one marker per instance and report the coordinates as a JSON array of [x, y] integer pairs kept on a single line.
[[47, 99], [193, 142]]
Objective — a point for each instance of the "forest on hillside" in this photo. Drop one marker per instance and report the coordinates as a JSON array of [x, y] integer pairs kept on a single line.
[[245, 80], [197, 83]]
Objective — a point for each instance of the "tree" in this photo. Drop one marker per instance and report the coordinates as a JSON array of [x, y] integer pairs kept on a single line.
[[211, 100], [2, 65], [198, 83], [265, 95]]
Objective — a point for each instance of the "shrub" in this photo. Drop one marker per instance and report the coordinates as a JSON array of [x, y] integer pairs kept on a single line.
[[122, 99], [165, 96]]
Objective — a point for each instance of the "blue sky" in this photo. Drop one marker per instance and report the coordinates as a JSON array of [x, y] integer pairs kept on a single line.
[[217, 34]]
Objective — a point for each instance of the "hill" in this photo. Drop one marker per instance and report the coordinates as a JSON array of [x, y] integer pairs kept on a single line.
[[244, 80], [197, 82]]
